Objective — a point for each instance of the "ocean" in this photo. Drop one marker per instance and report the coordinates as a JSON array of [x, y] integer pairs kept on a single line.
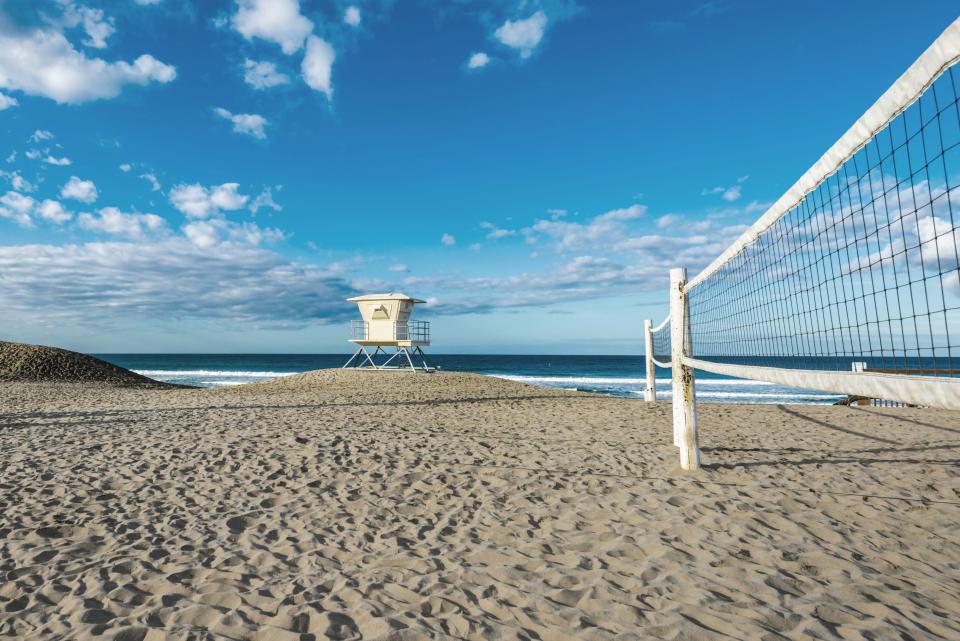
[[614, 375]]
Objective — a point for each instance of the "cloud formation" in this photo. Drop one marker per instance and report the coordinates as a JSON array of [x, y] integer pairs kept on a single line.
[[265, 199], [278, 21], [54, 212], [523, 35], [281, 22], [18, 182], [352, 16], [249, 124], [17, 207], [152, 179], [599, 232], [197, 201], [478, 60], [263, 75], [42, 62], [97, 27], [83, 190], [317, 67], [111, 220], [494, 232], [729, 194], [117, 282], [39, 135]]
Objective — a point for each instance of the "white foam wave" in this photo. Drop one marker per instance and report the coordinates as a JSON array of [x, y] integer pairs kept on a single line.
[[196, 373]]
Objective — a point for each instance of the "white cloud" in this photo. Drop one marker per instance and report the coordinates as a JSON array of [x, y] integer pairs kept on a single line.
[[152, 179], [252, 234], [262, 75], [17, 207], [732, 194], [97, 27], [265, 199], [494, 232], [278, 21], [448, 240], [398, 267], [669, 220], [40, 134], [53, 211], [61, 162], [250, 124], [32, 154], [125, 167], [209, 233], [42, 62], [202, 233], [7, 101], [317, 65], [557, 213], [756, 206], [12, 157], [601, 231], [729, 194], [352, 16], [147, 3], [18, 182], [111, 220], [197, 201], [170, 279], [83, 190], [478, 60], [523, 35]]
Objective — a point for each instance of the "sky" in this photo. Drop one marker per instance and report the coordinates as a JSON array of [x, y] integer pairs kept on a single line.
[[219, 176]]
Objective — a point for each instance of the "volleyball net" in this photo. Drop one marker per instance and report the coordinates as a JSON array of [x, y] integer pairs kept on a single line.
[[661, 353], [850, 282]]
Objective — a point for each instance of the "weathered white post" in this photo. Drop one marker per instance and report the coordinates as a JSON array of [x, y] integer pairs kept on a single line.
[[650, 393], [684, 401]]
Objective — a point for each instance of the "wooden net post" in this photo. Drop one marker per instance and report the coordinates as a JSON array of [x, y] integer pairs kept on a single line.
[[650, 393], [685, 434]]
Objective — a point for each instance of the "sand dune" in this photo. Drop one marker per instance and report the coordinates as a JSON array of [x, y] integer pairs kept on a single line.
[[352, 505], [38, 363]]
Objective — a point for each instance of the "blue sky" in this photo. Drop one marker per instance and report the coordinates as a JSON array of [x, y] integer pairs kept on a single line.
[[219, 176]]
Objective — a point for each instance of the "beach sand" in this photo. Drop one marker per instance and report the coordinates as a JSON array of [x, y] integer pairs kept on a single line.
[[349, 505]]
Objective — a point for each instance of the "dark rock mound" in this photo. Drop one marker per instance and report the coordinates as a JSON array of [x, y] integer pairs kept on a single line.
[[37, 363]]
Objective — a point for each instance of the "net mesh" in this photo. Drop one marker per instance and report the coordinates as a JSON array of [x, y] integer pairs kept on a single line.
[[661, 344], [864, 268]]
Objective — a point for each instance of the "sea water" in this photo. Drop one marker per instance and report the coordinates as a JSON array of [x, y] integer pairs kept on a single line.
[[613, 375]]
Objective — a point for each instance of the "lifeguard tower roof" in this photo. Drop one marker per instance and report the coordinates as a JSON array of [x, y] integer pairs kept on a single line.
[[390, 296]]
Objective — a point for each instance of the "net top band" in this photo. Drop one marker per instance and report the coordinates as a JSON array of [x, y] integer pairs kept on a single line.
[[944, 52]]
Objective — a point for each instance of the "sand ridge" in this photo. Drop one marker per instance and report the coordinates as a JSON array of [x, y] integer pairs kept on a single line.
[[39, 363], [349, 505]]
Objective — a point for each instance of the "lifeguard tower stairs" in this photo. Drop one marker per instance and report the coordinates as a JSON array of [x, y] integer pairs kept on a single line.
[[386, 327]]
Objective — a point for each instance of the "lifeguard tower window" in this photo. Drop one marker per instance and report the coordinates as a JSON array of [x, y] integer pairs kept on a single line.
[[381, 313]]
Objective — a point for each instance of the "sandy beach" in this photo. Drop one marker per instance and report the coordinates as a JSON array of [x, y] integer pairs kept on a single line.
[[356, 505]]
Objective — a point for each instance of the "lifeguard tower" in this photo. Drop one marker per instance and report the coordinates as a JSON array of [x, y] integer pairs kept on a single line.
[[386, 323]]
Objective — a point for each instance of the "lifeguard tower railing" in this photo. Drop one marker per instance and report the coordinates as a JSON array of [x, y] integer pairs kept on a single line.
[[850, 282], [417, 331]]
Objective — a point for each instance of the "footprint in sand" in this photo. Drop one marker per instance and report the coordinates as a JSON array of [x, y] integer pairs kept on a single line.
[[238, 524]]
